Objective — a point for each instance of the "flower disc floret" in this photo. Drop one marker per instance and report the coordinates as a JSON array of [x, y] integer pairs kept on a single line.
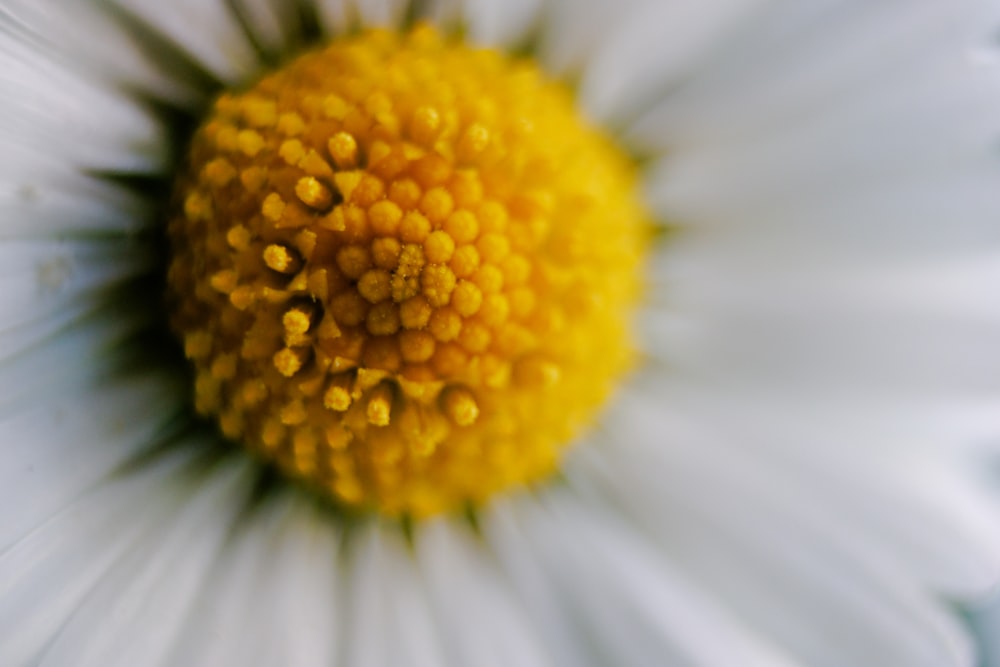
[[404, 270]]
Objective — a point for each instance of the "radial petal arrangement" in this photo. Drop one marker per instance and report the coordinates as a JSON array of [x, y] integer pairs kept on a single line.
[[421, 288]]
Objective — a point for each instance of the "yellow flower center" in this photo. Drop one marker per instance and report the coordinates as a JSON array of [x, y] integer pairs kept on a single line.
[[404, 270]]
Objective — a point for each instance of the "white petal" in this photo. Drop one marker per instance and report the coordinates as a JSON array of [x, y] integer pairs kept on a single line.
[[270, 598], [306, 581], [656, 45], [575, 29], [45, 198], [338, 16], [859, 129], [51, 283], [59, 447], [529, 576], [135, 612], [86, 37], [273, 24], [795, 62], [51, 367], [46, 575], [485, 624], [630, 606], [765, 540], [57, 112], [904, 493], [118, 590], [987, 623], [493, 23], [206, 30], [388, 599]]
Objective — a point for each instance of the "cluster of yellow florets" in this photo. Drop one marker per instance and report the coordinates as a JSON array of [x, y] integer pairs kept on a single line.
[[404, 270]]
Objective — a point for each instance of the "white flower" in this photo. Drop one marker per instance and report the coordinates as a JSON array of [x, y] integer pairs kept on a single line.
[[777, 486]]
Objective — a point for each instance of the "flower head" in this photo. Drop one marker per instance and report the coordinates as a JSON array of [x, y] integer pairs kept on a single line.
[[446, 258], [405, 270]]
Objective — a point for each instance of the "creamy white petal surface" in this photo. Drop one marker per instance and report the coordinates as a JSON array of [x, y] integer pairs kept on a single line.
[[780, 485], [984, 612]]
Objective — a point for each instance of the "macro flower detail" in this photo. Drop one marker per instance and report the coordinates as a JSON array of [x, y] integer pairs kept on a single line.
[[629, 333], [405, 270]]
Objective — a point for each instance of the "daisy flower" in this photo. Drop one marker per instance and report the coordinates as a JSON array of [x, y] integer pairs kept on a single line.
[[534, 333]]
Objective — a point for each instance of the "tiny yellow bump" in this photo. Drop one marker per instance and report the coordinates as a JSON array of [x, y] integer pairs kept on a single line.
[[287, 362], [293, 414], [337, 399], [385, 252], [272, 433], [461, 407], [343, 149], [474, 141], [488, 278], [335, 108], [462, 227], [260, 113], [224, 366], [379, 407], [492, 217], [243, 297], [425, 125], [349, 308], [219, 173], [414, 228], [416, 346], [383, 319], [224, 281], [354, 260], [405, 193], [437, 283], [536, 372], [439, 247], [415, 312], [197, 344], [254, 392], [238, 237], [273, 207], [384, 217], [292, 151], [375, 285], [197, 207], [368, 191], [291, 124], [281, 259], [253, 179], [431, 170], [493, 247], [445, 324], [475, 336], [296, 321], [437, 204], [467, 298], [464, 261], [313, 194], [250, 142], [227, 139]]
